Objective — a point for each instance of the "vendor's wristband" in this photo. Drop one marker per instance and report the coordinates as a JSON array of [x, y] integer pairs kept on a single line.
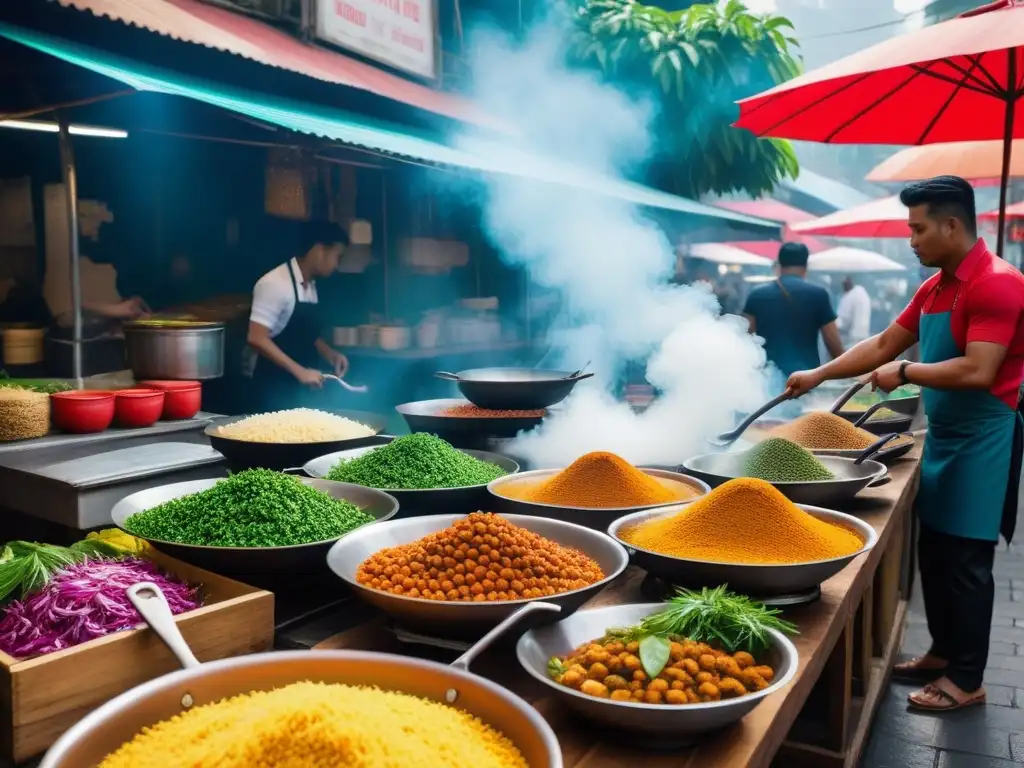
[[903, 371]]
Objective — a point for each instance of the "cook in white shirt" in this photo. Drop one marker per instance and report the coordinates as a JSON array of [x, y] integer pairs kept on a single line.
[[854, 319], [285, 345]]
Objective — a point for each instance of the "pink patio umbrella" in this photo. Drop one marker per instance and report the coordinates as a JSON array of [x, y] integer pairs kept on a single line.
[[879, 218], [772, 210], [979, 161]]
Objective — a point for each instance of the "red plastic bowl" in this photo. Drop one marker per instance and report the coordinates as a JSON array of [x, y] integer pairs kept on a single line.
[[182, 400], [82, 411], [138, 407]]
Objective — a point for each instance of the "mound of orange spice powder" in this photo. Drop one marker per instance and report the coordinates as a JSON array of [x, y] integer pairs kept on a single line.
[[481, 558], [598, 479]]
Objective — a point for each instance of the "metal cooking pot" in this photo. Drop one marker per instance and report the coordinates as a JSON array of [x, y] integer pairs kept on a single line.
[[514, 389], [193, 352], [119, 720]]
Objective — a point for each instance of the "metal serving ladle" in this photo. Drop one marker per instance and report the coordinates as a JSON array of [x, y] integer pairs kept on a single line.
[[726, 439], [345, 384]]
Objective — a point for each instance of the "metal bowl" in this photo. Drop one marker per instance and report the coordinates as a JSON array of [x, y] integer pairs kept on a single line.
[[880, 426], [105, 729], [850, 478], [885, 456], [752, 579], [296, 560], [597, 518], [466, 620], [653, 725], [514, 389], [249, 454], [415, 502]]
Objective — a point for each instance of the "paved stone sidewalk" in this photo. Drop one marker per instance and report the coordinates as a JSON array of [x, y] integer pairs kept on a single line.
[[982, 737]]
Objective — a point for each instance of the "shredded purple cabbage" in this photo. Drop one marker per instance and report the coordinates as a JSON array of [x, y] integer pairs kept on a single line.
[[85, 601]]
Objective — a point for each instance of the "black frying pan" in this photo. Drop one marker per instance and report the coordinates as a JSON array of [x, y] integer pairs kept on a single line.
[[247, 454], [514, 389], [427, 416]]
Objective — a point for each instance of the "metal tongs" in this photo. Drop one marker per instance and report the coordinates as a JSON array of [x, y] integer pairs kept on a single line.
[[344, 383]]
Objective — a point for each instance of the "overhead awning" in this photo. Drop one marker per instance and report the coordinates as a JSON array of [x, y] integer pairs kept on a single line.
[[198, 23], [477, 154], [818, 194]]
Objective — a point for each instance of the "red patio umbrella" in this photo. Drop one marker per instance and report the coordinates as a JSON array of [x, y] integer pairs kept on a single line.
[[961, 80], [1012, 212], [879, 218]]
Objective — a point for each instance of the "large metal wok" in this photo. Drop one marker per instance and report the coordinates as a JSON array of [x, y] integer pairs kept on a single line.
[[425, 501], [119, 720], [297, 560], [751, 579], [428, 416], [249, 454], [850, 477], [514, 389], [656, 726], [597, 518], [458, 620]]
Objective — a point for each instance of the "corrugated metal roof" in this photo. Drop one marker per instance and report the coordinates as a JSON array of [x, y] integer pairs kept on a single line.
[[477, 154], [202, 24]]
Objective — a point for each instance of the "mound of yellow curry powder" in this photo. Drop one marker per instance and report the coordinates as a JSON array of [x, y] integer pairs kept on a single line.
[[598, 479], [319, 725], [744, 521]]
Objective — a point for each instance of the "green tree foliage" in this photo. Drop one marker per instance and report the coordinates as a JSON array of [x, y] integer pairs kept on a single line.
[[694, 64]]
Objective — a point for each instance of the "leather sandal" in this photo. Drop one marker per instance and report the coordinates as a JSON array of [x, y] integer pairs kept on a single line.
[[911, 672], [947, 704]]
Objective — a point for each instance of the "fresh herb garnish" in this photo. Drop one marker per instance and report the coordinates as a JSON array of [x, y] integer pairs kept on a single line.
[[654, 654], [27, 566], [714, 616]]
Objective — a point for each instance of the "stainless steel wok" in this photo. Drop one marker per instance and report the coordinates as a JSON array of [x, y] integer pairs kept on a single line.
[[850, 478], [423, 501], [752, 579], [598, 518], [458, 620], [652, 725], [514, 389], [297, 560], [119, 720]]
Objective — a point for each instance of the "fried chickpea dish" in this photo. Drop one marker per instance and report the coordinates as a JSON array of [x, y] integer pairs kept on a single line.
[[481, 558], [611, 668]]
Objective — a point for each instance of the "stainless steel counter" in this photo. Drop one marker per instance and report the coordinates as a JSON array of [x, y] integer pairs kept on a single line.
[[75, 480]]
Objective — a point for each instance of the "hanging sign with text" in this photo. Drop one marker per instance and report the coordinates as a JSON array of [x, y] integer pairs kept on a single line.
[[399, 33]]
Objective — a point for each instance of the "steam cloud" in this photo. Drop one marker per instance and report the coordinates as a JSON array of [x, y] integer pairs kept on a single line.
[[609, 264]]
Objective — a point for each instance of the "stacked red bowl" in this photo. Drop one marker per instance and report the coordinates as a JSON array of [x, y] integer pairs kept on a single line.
[[82, 411], [182, 400], [134, 408]]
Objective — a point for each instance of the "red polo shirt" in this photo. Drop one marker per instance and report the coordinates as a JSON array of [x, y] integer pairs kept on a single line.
[[990, 308]]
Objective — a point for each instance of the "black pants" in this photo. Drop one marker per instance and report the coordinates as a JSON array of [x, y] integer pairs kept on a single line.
[[958, 590]]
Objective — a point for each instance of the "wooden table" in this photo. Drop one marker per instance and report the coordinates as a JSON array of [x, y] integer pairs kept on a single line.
[[847, 643]]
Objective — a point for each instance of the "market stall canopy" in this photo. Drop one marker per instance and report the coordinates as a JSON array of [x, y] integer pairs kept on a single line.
[[818, 194], [960, 80], [722, 253], [852, 260], [778, 211], [473, 153], [980, 161], [201, 23], [769, 249], [1013, 212], [879, 218]]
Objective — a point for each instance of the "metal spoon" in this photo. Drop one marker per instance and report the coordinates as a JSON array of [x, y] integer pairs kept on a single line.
[[728, 438], [876, 446], [580, 370], [345, 384]]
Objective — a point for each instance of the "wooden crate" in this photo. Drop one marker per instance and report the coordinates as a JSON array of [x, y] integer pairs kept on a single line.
[[41, 698]]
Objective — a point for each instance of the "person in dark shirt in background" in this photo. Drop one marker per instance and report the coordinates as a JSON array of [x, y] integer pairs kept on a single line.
[[789, 313]]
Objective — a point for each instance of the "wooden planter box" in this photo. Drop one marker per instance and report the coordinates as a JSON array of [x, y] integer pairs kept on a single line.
[[41, 698]]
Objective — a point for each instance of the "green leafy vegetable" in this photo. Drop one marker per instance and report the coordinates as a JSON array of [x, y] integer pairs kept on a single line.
[[556, 668], [27, 566], [714, 616], [654, 654]]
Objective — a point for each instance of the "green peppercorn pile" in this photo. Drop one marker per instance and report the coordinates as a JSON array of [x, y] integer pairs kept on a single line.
[[255, 508], [780, 461], [415, 462]]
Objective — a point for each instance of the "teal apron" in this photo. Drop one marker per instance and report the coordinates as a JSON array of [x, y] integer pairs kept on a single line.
[[972, 454]]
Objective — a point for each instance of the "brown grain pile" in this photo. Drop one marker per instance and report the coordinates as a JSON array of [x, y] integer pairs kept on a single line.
[[470, 411], [822, 430], [481, 558], [23, 414]]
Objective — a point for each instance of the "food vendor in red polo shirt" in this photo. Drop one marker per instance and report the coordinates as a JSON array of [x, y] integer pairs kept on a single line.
[[967, 319]]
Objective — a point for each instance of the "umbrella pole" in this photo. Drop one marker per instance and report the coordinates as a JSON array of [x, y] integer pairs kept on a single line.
[[1011, 103]]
